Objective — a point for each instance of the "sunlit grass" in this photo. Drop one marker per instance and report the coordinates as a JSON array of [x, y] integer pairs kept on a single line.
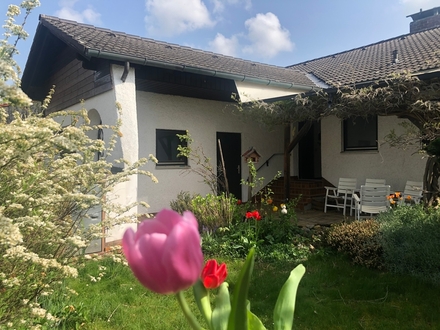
[[333, 294]]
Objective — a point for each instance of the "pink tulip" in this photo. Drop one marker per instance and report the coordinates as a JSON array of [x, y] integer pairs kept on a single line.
[[165, 253]]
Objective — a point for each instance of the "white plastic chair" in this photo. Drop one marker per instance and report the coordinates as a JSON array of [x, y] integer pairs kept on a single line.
[[370, 183], [371, 200], [341, 195], [375, 182], [413, 191]]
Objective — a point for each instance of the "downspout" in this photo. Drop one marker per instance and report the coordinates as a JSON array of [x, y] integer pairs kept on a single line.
[[214, 73], [126, 70]]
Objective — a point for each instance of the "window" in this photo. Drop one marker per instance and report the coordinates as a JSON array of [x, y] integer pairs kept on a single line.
[[166, 147], [360, 133]]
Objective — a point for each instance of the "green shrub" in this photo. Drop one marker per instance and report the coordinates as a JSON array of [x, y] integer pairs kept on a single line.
[[275, 236], [410, 237], [182, 203], [359, 239], [213, 211]]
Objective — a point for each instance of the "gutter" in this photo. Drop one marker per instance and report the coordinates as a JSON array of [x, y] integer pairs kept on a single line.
[[214, 73]]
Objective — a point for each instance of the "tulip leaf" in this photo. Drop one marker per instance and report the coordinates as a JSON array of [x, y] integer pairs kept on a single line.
[[254, 322], [222, 308], [285, 305], [201, 296], [238, 319]]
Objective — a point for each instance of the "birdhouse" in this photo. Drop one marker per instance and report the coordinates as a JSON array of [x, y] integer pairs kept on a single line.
[[251, 154]]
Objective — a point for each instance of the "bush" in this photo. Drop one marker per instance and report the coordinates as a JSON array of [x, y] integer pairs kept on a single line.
[[50, 181], [410, 238], [359, 239], [182, 203], [213, 212]]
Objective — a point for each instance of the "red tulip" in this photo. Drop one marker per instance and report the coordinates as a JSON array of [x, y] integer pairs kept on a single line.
[[239, 202], [213, 275], [256, 215], [165, 253]]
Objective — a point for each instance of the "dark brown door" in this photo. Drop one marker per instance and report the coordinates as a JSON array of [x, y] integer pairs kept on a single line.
[[231, 150]]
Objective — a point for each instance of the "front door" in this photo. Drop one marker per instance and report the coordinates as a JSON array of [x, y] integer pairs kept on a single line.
[[231, 150]]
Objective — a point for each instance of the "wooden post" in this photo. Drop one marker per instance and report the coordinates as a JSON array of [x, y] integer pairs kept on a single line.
[[251, 180], [286, 162], [223, 167]]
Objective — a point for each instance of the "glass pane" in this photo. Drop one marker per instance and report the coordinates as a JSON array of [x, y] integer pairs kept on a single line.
[[166, 147], [360, 133]]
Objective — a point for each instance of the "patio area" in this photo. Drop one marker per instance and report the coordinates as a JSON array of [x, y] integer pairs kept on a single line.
[[311, 218]]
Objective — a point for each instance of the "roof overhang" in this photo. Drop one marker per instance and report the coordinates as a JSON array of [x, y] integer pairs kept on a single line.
[[249, 88]]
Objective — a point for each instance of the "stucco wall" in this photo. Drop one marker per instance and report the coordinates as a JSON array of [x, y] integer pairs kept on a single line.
[[202, 118], [393, 164], [127, 146]]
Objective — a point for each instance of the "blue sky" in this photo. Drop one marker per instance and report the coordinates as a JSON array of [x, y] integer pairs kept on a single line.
[[279, 32]]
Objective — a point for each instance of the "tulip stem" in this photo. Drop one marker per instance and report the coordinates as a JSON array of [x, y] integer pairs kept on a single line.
[[187, 312]]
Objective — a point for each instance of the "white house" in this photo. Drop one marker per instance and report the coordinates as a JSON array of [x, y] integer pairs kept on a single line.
[[166, 89]]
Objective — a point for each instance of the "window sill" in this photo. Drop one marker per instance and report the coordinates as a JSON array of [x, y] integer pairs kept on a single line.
[[360, 151], [172, 167]]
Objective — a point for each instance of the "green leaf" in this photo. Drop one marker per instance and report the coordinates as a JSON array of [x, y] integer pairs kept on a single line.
[[222, 308], [238, 319], [285, 306], [201, 296], [254, 322]]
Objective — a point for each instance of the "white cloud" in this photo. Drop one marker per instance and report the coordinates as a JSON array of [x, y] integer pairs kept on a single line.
[[267, 36], [88, 15], [173, 17], [223, 45], [219, 5]]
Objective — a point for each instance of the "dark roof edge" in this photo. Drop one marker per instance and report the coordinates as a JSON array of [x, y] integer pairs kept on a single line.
[[89, 53]]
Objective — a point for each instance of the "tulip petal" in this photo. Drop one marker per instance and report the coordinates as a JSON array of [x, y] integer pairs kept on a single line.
[[211, 281], [149, 226], [189, 217], [210, 267], [183, 255], [169, 218], [154, 273]]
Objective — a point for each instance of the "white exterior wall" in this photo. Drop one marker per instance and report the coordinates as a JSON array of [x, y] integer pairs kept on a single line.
[[393, 164], [202, 118], [127, 146]]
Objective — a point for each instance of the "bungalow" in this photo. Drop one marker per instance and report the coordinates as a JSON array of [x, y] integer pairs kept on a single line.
[[167, 89], [164, 90]]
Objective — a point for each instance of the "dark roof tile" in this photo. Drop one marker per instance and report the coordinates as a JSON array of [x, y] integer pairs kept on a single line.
[[85, 37], [417, 52]]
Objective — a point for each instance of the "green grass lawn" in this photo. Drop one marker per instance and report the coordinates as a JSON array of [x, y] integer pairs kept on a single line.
[[333, 294]]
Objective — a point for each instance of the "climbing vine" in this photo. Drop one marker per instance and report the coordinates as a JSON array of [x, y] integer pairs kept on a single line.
[[403, 95]]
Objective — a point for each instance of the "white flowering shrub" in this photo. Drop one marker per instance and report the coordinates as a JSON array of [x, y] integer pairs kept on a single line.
[[49, 180]]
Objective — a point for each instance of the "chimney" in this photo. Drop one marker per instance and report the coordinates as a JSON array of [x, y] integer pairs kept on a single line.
[[425, 20]]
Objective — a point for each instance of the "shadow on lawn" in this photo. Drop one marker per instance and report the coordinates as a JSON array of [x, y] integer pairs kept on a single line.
[[334, 294]]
